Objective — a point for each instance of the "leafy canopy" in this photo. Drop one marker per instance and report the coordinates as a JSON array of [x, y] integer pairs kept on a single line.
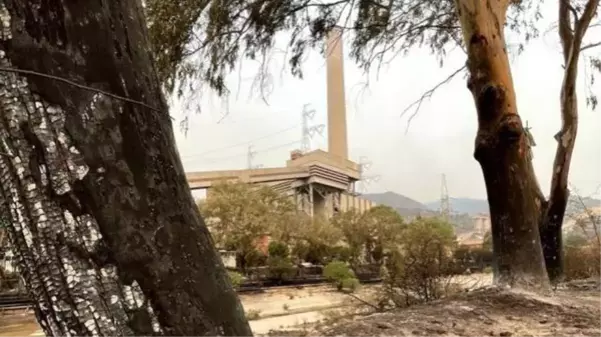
[[204, 39], [239, 214], [368, 235]]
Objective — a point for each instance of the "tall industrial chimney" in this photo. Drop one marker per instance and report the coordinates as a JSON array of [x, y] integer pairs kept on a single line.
[[337, 141]]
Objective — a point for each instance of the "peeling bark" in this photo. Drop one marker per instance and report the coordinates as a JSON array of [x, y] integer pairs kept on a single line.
[[100, 217], [501, 147], [571, 35]]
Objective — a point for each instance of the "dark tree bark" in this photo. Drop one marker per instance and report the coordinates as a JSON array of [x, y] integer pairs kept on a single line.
[[502, 147], [571, 33], [101, 219]]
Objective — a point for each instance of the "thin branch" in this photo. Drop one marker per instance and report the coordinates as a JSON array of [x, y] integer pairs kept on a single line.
[[363, 301], [428, 94], [591, 216], [591, 45], [590, 9], [81, 86]]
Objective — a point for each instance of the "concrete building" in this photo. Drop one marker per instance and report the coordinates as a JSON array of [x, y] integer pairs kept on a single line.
[[481, 223], [320, 182]]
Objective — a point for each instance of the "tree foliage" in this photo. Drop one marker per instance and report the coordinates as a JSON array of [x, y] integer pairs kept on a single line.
[[204, 40], [370, 234], [422, 258], [317, 241], [340, 275], [239, 214]]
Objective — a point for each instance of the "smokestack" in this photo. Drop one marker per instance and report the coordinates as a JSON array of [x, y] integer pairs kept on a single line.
[[337, 144]]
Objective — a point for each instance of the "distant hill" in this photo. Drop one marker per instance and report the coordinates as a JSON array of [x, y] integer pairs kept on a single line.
[[395, 200], [402, 204], [409, 208], [463, 205], [475, 206]]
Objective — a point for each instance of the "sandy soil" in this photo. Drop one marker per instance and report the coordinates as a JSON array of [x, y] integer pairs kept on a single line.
[[276, 309], [570, 311], [22, 324]]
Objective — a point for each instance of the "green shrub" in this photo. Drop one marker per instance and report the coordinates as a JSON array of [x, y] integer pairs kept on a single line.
[[350, 284], [253, 258], [280, 268], [236, 278], [278, 249], [416, 269], [487, 270], [340, 275]]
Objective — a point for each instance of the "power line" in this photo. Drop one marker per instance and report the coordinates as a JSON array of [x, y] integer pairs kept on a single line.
[[242, 143], [77, 85], [219, 159]]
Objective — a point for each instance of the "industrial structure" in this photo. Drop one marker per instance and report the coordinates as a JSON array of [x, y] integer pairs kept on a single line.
[[320, 182]]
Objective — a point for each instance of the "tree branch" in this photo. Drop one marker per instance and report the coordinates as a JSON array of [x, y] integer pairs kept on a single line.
[[363, 301], [428, 94], [590, 45], [565, 28]]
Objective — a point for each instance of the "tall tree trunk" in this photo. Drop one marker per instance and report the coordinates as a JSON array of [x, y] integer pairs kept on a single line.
[[571, 35], [101, 219], [502, 147]]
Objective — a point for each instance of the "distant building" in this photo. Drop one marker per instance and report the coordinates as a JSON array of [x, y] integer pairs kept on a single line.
[[229, 258], [481, 223]]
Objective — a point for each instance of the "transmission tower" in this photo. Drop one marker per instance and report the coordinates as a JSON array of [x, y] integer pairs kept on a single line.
[[308, 131], [365, 180], [445, 207], [250, 155]]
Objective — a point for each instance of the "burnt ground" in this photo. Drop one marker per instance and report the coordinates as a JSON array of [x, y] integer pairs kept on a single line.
[[572, 310]]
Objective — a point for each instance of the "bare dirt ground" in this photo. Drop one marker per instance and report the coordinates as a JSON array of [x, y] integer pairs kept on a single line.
[[18, 324], [275, 309], [573, 310]]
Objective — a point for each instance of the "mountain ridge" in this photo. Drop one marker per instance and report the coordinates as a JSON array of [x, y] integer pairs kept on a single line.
[[472, 206]]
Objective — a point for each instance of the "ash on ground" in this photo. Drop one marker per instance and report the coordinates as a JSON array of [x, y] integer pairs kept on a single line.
[[573, 309]]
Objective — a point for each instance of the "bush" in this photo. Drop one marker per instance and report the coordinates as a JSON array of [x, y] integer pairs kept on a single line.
[[280, 268], [415, 270], [582, 261], [315, 253], [236, 278], [253, 258], [341, 253], [350, 284], [278, 249], [340, 275]]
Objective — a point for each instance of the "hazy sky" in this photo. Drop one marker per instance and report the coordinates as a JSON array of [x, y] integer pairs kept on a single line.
[[440, 138]]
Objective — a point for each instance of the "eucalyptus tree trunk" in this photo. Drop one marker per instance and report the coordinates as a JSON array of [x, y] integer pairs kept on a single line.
[[502, 147], [100, 217], [571, 33]]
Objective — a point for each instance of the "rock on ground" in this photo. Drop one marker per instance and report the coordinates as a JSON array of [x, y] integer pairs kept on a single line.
[[569, 311]]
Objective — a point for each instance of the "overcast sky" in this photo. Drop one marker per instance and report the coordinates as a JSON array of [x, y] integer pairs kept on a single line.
[[439, 140]]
